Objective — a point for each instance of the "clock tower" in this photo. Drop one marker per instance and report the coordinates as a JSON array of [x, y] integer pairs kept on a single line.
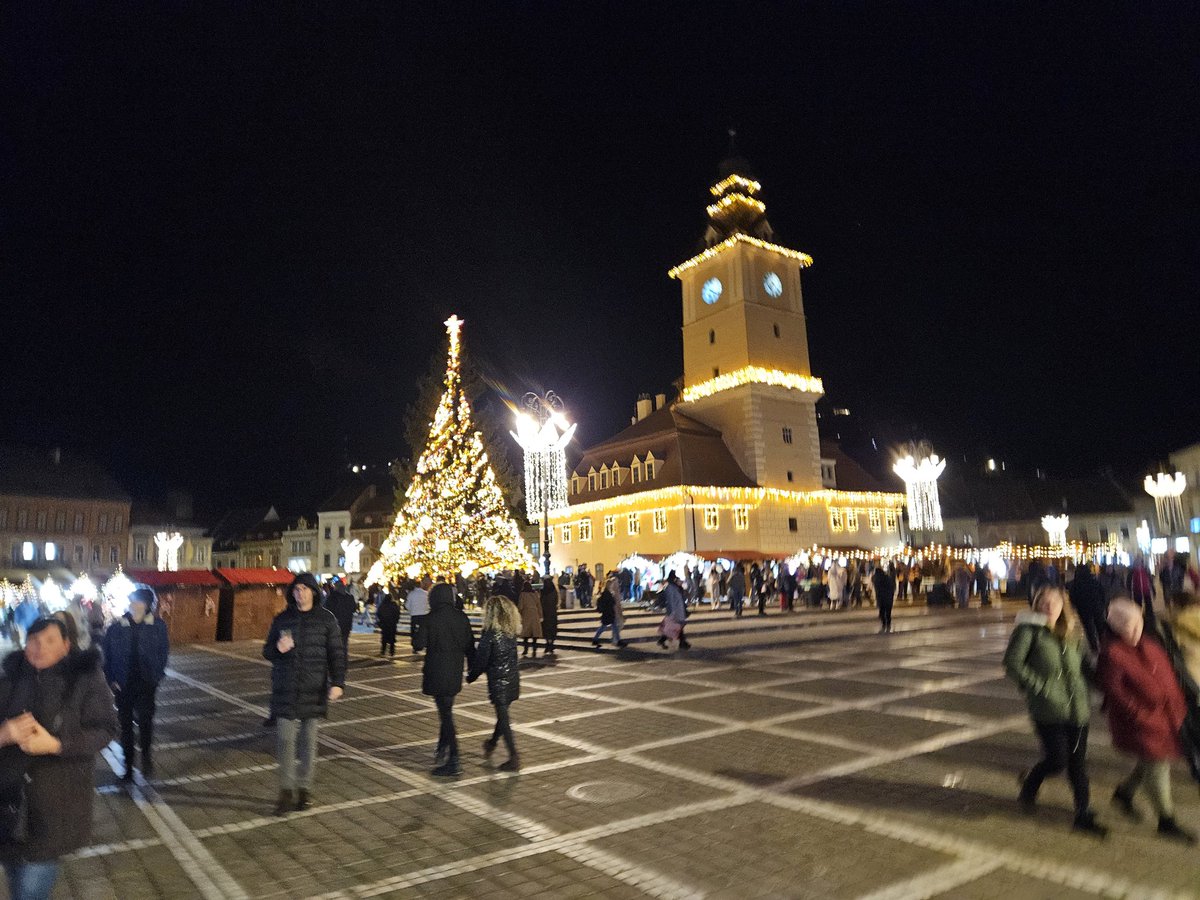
[[745, 341]]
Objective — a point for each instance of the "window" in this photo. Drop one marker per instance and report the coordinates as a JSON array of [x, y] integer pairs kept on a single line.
[[198, 554], [793, 525], [789, 474], [139, 553], [117, 523], [328, 535], [712, 337], [79, 554], [22, 518], [712, 518], [60, 521], [78, 523], [603, 479], [852, 520], [873, 519], [889, 519], [96, 554], [649, 470], [102, 523], [566, 534], [341, 531], [836, 521], [787, 435], [41, 520], [274, 558], [114, 554], [585, 529], [635, 472], [28, 551], [633, 523], [1125, 530], [660, 521], [775, 328], [327, 558], [610, 526], [716, 372], [591, 481], [741, 518], [1104, 535], [616, 475]]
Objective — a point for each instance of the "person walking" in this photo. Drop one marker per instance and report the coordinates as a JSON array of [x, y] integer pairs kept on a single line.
[[342, 604], [417, 604], [676, 617], [496, 655], [611, 614], [885, 594], [1087, 596], [530, 607], [56, 715], [135, 659], [1046, 660], [308, 669], [737, 590], [387, 617], [983, 583], [449, 646], [1141, 590], [1146, 709], [837, 584], [549, 603], [962, 585]]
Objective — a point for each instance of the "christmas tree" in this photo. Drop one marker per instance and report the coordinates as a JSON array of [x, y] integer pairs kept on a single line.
[[453, 518]]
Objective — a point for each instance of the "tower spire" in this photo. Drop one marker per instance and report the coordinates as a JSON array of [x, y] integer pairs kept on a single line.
[[737, 209]]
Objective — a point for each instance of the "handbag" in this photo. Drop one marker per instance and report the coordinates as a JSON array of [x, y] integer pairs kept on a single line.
[[669, 628]]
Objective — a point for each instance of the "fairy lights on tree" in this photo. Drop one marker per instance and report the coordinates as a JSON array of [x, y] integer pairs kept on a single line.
[[453, 518], [920, 471]]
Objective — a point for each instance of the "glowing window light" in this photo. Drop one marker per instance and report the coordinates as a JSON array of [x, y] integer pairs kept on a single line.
[[752, 375], [27, 551], [1056, 529], [168, 550], [803, 258], [51, 552], [734, 181], [920, 480], [1166, 490], [741, 518], [352, 550], [712, 518], [873, 520]]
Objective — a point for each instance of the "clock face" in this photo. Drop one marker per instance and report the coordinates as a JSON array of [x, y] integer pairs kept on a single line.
[[711, 292], [772, 285]]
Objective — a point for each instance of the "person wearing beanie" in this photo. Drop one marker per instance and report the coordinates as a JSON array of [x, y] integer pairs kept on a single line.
[[135, 658], [308, 669], [449, 646]]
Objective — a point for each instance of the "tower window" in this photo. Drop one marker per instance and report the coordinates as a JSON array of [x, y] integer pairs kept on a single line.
[[716, 372], [775, 328], [787, 435], [793, 525], [789, 474], [712, 337]]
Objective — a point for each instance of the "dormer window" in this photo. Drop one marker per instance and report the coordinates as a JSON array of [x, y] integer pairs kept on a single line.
[[635, 471], [603, 477], [615, 471], [651, 462], [591, 479]]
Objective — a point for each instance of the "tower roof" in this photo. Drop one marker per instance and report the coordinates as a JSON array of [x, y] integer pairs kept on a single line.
[[736, 209]]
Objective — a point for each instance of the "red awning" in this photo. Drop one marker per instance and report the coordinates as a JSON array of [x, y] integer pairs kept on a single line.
[[256, 576], [156, 579]]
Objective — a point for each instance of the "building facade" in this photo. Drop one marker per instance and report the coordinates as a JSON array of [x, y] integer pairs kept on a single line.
[[167, 538], [733, 467]]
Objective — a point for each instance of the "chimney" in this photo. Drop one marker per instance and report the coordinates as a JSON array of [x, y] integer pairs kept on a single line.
[[660, 401], [644, 406]]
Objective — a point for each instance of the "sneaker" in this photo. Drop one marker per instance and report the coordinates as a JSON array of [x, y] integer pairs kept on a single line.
[[1124, 802], [596, 644], [284, 804], [448, 769], [303, 800], [1085, 823], [1169, 828]]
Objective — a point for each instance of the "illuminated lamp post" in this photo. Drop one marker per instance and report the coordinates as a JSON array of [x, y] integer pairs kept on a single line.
[[1056, 529], [543, 434], [1166, 491], [920, 475]]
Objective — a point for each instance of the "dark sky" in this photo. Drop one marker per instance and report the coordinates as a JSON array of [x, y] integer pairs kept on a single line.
[[231, 231]]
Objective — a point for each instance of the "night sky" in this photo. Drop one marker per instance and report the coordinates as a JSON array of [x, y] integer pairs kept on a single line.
[[231, 232]]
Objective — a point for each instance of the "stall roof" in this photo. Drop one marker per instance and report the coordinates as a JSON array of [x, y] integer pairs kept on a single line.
[[256, 576], [156, 579]]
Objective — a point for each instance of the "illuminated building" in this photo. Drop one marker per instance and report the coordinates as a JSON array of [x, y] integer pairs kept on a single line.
[[734, 468]]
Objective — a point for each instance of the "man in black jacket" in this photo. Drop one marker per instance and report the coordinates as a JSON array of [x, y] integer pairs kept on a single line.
[[308, 668], [387, 617], [343, 606], [449, 646], [1087, 596]]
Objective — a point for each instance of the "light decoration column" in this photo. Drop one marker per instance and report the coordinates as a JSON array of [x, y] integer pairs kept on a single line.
[[543, 434], [920, 473], [453, 515], [168, 550], [1166, 491], [352, 551], [1056, 529], [116, 593]]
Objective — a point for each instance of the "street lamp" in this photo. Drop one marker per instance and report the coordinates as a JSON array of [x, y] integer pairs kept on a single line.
[[543, 433], [1166, 490], [920, 480], [1056, 529]]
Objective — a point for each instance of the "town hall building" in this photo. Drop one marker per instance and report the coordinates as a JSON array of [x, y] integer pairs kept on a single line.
[[734, 467]]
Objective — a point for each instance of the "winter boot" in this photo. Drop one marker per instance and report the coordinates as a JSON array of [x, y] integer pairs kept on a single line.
[[449, 769], [1169, 828], [1123, 801], [284, 803]]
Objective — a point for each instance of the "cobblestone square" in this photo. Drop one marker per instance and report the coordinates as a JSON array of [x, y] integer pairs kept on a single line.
[[864, 766]]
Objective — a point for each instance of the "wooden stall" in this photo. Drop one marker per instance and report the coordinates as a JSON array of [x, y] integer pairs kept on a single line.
[[250, 599], [188, 602]]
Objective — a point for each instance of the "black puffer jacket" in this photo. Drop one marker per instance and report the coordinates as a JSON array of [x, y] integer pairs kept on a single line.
[[497, 656], [449, 644], [301, 678], [388, 614], [73, 702], [343, 607]]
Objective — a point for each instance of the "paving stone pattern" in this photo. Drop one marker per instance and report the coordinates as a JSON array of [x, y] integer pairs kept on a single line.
[[859, 766]]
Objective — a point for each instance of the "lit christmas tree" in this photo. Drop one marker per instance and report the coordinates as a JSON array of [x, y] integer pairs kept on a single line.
[[454, 518]]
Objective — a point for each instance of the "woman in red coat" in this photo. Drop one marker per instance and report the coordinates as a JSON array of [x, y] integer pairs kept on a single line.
[[1146, 708]]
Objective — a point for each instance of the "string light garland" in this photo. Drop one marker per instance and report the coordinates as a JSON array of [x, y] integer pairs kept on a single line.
[[734, 181], [803, 258], [454, 517], [722, 206], [675, 498], [752, 375]]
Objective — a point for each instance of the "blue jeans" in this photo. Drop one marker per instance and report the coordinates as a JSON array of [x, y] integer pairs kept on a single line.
[[31, 880], [616, 629]]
